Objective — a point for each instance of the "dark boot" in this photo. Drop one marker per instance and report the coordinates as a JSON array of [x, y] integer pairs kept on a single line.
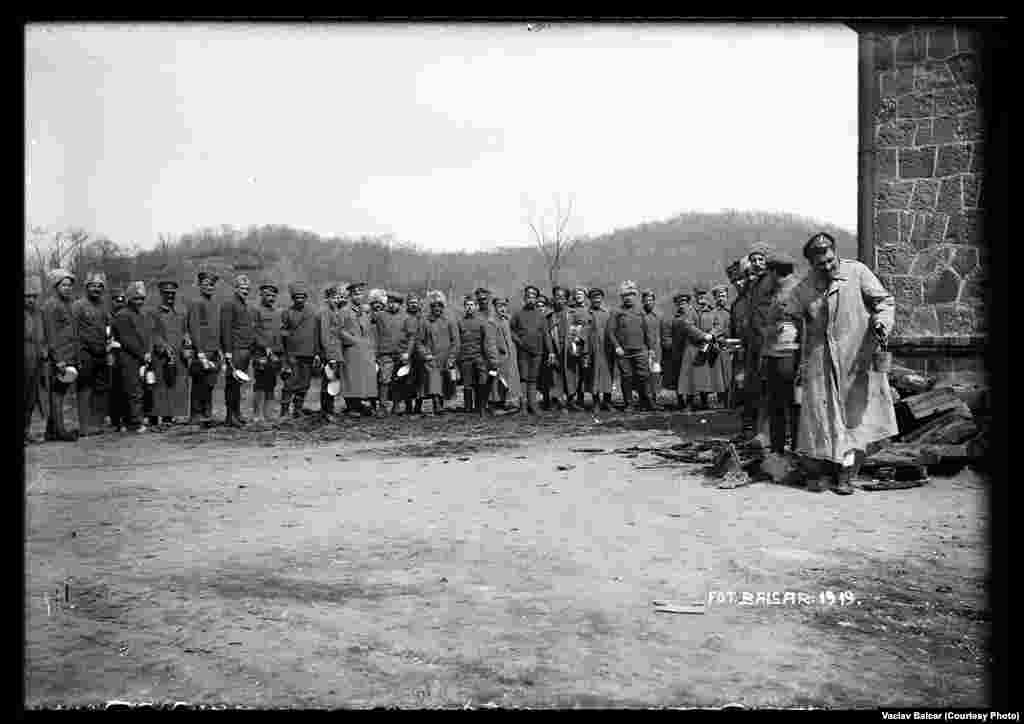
[[286, 402], [627, 392], [570, 404], [645, 401], [606, 401], [843, 477], [480, 400], [85, 411], [467, 399], [439, 405], [417, 407], [531, 398]]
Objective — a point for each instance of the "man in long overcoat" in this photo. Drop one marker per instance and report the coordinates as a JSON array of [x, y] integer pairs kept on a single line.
[[359, 342], [204, 330], [236, 337], [267, 351], [170, 335], [648, 302], [92, 321], [847, 315], [601, 371], [35, 350], [61, 335], [568, 350], [506, 389], [299, 341], [410, 389], [133, 333], [437, 348]]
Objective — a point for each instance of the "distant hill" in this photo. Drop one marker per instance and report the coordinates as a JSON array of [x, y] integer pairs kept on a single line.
[[665, 256]]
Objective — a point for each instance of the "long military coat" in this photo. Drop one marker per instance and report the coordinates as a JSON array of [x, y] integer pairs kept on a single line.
[[847, 405], [602, 358], [359, 341], [440, 338], [695, 378], [508, 363], [564, 328], [170, 325]]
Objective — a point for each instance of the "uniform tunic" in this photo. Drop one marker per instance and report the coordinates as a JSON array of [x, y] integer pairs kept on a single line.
[[171, 391], [530, 335], [847, 405], [300, 340], [131, 329], [412, 326], [359, 341], [440, 338], [237, 332], [203, 324], [61, 331], [266, 345], [91, 322], [722, 330], [684, 335], [478, 350], [391, 342], [602, 359]]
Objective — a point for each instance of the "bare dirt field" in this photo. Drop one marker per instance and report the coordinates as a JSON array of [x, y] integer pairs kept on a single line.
[[449, 562]]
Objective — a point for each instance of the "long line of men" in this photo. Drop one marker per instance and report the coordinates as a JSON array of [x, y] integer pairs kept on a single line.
[[380, 352]]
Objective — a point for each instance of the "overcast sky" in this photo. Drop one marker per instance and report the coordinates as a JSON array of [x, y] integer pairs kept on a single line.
[[439, 134]]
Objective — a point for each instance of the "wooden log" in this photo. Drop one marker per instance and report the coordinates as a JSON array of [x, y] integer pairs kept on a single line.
[[933, 401], [952, 427]]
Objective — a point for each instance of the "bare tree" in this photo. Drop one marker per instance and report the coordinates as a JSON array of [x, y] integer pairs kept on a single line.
[[552, 235]]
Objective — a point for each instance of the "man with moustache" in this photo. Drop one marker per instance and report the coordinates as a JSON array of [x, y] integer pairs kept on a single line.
[[61, 335], [132, 331], [565, 356], [170, 336], [528, 328], [629, 336], [117, 403], [696, 375], [299, 342], [847, 315], [582, 322], [759, 291], [203, 323], [267, 351], [722, 327], [359, 344], [91, 321], [739, 314], [329, 346], [35, 351], [237, 334], [506, 389]]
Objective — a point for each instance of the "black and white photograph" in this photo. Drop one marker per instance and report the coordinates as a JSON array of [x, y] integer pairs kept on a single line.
[[525, 364]]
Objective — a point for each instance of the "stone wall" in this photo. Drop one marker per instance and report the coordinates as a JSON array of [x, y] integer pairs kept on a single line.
[[928, 158]]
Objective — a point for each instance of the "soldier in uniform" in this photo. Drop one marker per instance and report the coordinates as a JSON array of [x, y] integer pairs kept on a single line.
[[132, 331], [391, 345], [759, 294], [582, 322], [654, 325], [696, 375], [602, 358], [117, 402], [506, 390], [412, 387], [92, 320], [237, 334], [568, 349], [359, 344], [478, 357], [629, 335], [438, 347], [722, 329], [170, 337], [329, 346], [203, 324], [61, 334], [299, 337], [738, 314], [266, 351], [35, 351], [530, 335]]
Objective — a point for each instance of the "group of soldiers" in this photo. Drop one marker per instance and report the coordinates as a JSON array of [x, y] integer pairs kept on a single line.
[[378, 352]]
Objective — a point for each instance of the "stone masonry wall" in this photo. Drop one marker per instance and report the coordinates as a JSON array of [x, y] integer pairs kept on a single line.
[[929, 155]]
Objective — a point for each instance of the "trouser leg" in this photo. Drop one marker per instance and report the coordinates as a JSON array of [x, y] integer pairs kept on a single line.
[[84, 395]]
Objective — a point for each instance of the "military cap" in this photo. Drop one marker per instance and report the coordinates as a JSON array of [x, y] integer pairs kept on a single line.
[[56, 276], [528, 287], [680, 296], [395, 297], [136, 289], [557, 288], [720, 288], [33, 285], [648, 293], [378, 295], [206, 274], [296, 288], [760, 248], [354, 286], [96, 277], [330, 290], [700, 288], [269, 284], [481, 291], [167, 284], [595, 292], [436, 297], [816, 240], [627, 287], [469, 298], [500, 300]]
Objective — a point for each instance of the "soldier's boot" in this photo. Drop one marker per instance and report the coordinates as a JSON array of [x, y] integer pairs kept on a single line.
[[298, 405], [843, 477], [627, 392], [84, 411], [467, 399], [417, 407], [530, 398], [384, 395], [257, 405], [100, 405], [794, 422], [645, 400], [570, 404], [286, 403], [268, 406], [606, 401], [438, 402]]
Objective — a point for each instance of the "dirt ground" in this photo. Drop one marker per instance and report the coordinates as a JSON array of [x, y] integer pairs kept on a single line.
[[450, 563]]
